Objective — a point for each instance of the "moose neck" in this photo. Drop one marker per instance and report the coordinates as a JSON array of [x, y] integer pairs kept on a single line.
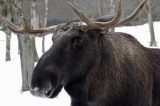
[[107, 67]]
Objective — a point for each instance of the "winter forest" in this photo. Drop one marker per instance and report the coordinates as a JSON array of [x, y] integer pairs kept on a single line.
[[20, 53]]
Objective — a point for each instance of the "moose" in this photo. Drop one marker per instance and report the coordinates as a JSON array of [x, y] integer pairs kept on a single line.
[[96, 67]]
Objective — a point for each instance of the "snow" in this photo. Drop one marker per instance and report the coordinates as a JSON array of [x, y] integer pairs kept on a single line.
[[10, 77], [142, 34]]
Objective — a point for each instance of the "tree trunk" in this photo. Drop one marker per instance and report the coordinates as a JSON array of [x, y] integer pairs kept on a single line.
[[26, 53], [35, 54], [27, 60], [150, 22], [34, 25], [8, 40], [6, 11], [112, 4], [43, 44], [99, 8], [45, 24]]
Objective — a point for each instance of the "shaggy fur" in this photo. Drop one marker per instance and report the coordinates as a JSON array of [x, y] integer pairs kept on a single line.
[[98, 68]]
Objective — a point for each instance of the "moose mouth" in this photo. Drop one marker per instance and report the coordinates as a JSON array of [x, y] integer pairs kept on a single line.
[[46, 93], [49, 93], [42, 92]]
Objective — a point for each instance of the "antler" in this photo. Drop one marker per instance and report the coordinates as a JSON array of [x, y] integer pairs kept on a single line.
[[134, 14], [116, 21], [26, 30], [93, 24], [113, 23]]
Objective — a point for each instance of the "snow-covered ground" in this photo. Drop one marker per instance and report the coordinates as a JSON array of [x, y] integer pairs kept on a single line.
[[10, 72]]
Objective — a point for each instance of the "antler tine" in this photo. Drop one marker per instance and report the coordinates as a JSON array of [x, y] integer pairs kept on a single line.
[[113, 23], [38, 32], [8, 23], [115, 19], [93, 24], [80, 14], [134, 14]]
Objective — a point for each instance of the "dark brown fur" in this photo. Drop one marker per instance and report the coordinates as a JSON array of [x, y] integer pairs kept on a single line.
[[98, 68], [128, 58]]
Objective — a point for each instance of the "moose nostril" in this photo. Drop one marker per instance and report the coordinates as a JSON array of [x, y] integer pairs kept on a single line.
[[40, 93], [34, 91], [48, 92]]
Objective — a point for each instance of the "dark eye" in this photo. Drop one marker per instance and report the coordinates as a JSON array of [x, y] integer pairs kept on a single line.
[[65, 28], [77, 42]]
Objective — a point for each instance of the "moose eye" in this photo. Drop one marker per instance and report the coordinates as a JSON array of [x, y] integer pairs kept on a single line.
[[65, 28], [77, 42]]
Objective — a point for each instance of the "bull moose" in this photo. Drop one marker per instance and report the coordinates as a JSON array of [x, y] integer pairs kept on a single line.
[[96, 67]]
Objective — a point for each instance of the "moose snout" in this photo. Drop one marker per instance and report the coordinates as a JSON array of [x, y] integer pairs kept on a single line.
[[40, 93]]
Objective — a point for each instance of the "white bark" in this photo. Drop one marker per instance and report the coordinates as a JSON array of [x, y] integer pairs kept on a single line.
[[150, 23], [99, 8], [34, 17], [45, 24], [7, 13], [27, 61], [26, 53], [34, 25], [26, 56], [112, 4], [8, 40]]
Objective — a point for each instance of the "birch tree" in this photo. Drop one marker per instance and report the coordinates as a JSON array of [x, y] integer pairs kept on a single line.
[[45, 24], [25, 46], [8, 14], [26, 51], [8, 45], [113, 6], [6, 11], [34, 25], [150, 22], [99, 8]]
